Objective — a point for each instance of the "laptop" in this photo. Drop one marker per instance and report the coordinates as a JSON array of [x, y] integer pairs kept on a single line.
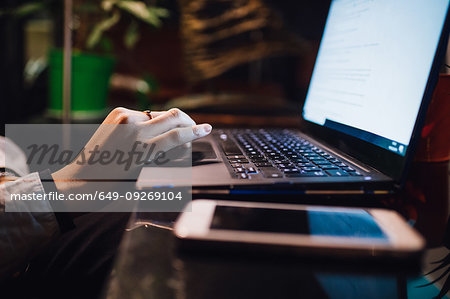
[[373, 78]]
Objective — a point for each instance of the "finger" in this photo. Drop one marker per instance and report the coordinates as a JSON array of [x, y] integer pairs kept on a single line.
[[122, 115], [156, 114], [174, 112], [169, 120], [179, 136]]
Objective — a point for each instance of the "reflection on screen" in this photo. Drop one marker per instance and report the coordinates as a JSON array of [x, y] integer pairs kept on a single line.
[[325, 222], [373, 66]]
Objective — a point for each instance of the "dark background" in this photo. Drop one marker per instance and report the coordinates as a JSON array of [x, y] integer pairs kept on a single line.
[[283, 76]]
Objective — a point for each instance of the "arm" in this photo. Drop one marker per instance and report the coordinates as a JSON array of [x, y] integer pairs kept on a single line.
[[24, 234]]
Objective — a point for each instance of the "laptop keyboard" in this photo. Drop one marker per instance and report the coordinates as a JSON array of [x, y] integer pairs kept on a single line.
[[278, 153]]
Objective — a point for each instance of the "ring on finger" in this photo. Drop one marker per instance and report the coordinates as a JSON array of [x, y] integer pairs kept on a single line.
[[148, 113]]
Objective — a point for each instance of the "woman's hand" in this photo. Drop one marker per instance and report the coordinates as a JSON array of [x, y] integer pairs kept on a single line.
[[123, 141], [168, 129]]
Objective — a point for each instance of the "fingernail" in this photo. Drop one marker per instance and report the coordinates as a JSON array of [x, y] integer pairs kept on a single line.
[[207, 128]]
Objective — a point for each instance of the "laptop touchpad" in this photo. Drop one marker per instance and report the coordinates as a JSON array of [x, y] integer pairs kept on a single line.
[[203, 152]]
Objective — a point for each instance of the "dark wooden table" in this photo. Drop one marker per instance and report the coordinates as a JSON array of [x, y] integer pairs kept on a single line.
[[149, 266]]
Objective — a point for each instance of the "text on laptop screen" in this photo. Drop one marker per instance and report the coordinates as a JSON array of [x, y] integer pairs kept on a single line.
[[373, 66]]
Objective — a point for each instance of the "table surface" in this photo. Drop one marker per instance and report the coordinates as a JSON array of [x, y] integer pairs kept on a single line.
[[149, 266]]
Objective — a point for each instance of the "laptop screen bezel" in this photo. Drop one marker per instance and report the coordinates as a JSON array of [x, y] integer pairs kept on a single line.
[[389, 163]]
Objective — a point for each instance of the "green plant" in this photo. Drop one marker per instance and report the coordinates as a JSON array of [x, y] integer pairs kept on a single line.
[[93, 18], [110, 13]]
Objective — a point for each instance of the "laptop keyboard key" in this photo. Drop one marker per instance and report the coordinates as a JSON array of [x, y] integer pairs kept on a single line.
[[329, 166], [355, 173], [256, 157], [264, 164], [334, 160], [270, 172], [251, 170], [242, 161], [260, 161], [284, 161], [243, 176], [239, 170], [234, 157], [306, 165], [311, 169], [321, 162], [339, 172], [313, 158]]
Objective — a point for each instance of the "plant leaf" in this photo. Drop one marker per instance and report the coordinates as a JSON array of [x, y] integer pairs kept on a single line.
[[141, 11], [107, 5], [132, 35], [98, 30], [160, 12], [28, 9]]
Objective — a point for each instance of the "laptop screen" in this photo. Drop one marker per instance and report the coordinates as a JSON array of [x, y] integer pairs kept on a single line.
[[373, 66]]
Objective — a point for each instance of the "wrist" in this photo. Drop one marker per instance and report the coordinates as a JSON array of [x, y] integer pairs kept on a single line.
[[64, 219]]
